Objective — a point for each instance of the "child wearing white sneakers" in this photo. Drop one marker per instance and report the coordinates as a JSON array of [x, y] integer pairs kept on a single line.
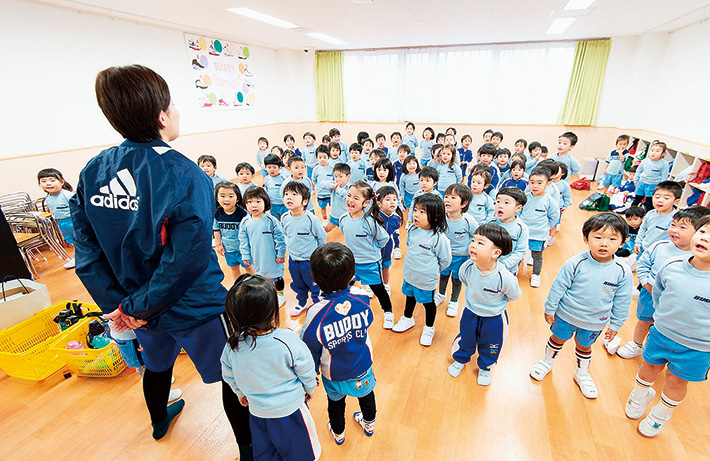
[[591, 288], [489, 287], [680, 336]]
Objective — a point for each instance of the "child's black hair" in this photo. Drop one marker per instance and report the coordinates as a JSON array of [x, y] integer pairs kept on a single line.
[[308, 133], [289, 137], [498, 235], [693, 214], [463, 192], [53, 173], [439, 136], [281, 151], [519, 157], [369, 193], [378, 153], [551, 165], [294, 159], [410, 124], [263, 139], [670, 186], [488, 131], [452, 129], [407, 159], [366, 140], [341, 167], [483, 170], [361, 137], [404, 148], [252, 308], [257, 192], [517, 163], [333, 132], [525, 143], [543, 149], [227, 185], [541, 171], [321, 149], [325, 139], [355, 147], [503, 151], [498, 135], [380, 135], [244, 166], [635, 211], [429, 172], [633, 169], [571, 136], [300, 189], [514, 193], [465, 137], [384, 163], [273, 159], [487, 149], [207, 158], [534, 145], [396, 133], [430, 130], [606, 220], [454, 154], [383, 192], [332, 266], [702, 222], [564, 169], [333, 144], [623, 137], [433, 204]]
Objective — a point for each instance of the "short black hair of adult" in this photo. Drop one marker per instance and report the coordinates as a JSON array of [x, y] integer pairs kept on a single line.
[[498, 135], [429, 172], [606, 220], [534, 145], [257, 192], [463, 192], [670, 186], [321, 149], [498, 235], [635, 211], [571, 136], [387, 164], [207, 158], [551, 165], [515, 193], [273, 159], [487, 149], [131, 98], [355, 147], [525, 143], [332, 266], [244, 166], [435, 210], [541, 171], [693, 214], [251, 307], [299, 188], [341, 167], [295, 159]]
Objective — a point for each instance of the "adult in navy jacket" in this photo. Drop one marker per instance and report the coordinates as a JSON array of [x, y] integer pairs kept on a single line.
[[143, 216]]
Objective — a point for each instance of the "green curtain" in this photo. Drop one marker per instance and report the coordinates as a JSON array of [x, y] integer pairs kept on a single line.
[[585, 84], [329, 86]]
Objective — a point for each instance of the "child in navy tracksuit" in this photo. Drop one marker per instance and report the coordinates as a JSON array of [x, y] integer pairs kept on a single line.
[[428, 248], [227, 219], [591, 289], [304, 233], [391, 214], [465, 154], [271, 371], [335, 331], [489, 288]]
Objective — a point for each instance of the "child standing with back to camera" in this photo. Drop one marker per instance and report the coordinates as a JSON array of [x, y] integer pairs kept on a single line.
[[58, 194]]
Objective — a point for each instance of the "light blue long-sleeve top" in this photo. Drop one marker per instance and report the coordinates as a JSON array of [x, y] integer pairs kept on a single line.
[[425, 147], [337, 198], [520, 235], [309, 152], [358, 170], [393, 153], [306, 182], [244, 187], [460, 233], [654, 228], [410, 217], [59, 204], [261, 241], [273, 376], [587, 293], [482, 207], [303, 235], [322, 177], [273, 184], [411, 141], [654, 257], [376, 185], [408, 183], [569, 160], [540, 214], [681, 295], [426, 250], [651, 172], [615, 165], [216, 179], [364, 237], [565, 194], [487, 295], [554, 192], [260, 155], [448, 175]]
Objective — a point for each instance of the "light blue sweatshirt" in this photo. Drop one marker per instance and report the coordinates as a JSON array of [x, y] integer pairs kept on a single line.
[[337, 198], [216, 179], [273, 184], [554, 192], [59, 204], [273, 376], [393, 153], [358, 170], [540, 214], [487, 295], [322, 177], [364, 237], [587, 293], [261, 241], [681, 296], [376, 185], [520, 235], [565, 194], [654, 228], [410, 217], [408, 183], [569, 160], [426, 250], [460, 233], [447, 176], [651, 172], [309, 152], [411, 141], [482, 207], [653, 258], [615, 166], [260, 155], [303, 235], [426, 146], [243, 187], [306, 182]]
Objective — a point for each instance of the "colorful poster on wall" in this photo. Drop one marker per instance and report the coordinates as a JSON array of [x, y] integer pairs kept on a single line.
[[221, 75]]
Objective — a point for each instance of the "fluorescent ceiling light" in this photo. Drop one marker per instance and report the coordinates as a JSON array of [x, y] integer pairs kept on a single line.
[[560, 25], [263, 17], [578, 4], [326, 38]]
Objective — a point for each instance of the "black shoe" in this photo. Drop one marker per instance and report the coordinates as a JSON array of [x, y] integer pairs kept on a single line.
[[196, 64]]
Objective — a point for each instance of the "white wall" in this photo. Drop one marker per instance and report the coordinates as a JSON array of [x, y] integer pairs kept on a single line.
[[52, 55]]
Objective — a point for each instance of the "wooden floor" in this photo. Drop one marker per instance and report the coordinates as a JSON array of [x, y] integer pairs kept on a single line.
[[423, 413]]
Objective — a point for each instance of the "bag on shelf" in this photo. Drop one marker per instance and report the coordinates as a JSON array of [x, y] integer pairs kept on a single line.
[[20, 300]]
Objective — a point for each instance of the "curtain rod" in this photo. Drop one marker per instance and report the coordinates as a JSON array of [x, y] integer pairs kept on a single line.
[[471, 44]]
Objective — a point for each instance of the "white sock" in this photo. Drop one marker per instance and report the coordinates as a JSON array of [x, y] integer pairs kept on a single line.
[[664, 408], [641, 388]]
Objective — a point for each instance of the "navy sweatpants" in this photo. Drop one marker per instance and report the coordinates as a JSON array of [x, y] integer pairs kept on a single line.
[[302, 281], [485, 334], [291, 438]]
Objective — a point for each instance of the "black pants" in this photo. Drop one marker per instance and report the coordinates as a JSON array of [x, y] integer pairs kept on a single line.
[[430, 310], [336, 411], [455, 286], [381, 292]]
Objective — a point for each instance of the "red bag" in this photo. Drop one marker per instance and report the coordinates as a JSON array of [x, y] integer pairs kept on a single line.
[[581, 184]]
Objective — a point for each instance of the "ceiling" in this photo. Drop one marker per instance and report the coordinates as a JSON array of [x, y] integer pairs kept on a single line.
[[402, 23]]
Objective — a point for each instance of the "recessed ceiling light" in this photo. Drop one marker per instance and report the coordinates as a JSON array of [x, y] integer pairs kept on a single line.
[[560, 25], [263, 17], [578, 4], [326, 38]]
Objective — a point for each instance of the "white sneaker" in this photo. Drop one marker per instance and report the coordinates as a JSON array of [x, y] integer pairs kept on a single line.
[[389, 321], [427, 336], [455, 369], [69, 264], [439, 298], [368, 290], [281, 297], [453, 309], [550, 240], [403, 324], [540, 369], [296, 311], [368, 428], [613, 345], [635, 408], [174, 395], [397, 253], [389, 291], [652, 425], [586, 383], [484, 377], [339, 438], [629, 350], [535, 281]]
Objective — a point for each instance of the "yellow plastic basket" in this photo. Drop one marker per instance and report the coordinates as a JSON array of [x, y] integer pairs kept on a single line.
[[106, 362], [24, 348]]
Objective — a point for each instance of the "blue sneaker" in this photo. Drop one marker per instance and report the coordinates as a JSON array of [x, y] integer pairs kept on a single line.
[[369, 428], [339, 438]]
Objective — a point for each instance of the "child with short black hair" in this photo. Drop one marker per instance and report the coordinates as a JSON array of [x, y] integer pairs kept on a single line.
[[396, 138], [655, 224], [489, 288], [209, 165], [440, 138], [614, 169], [322, 177], [344, 357], [496, 138], [297, 168], [273, 181], [375, 156], [402, 152], [309, 152], [481, 206], [409, 182], [502, 159], [520, 146], [410, 139], [262, 153], [428, 178], [245, 176], [486, 153], [516, 179], [565, 143], [427, 247], [336, 153], [426, 144], [509, 202], [448, 169], [652, 171], [272, 372], [325, 140], [380, 139], [338, 189], [535, 149], [634, 217], [358, 167], [290, 143], [58, 192], [334, 134], [465, 154], [590, 288], [362, 136], [227, 219], [392, 216], [560, 180], [487, 136]]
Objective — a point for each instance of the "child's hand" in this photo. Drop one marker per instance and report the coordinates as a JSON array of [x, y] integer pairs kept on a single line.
[[308, 397], [610, 334], [550, 319], [246, 262], [637, 248], [244, 401], [220, 249], [649, 287], [280, 260]]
